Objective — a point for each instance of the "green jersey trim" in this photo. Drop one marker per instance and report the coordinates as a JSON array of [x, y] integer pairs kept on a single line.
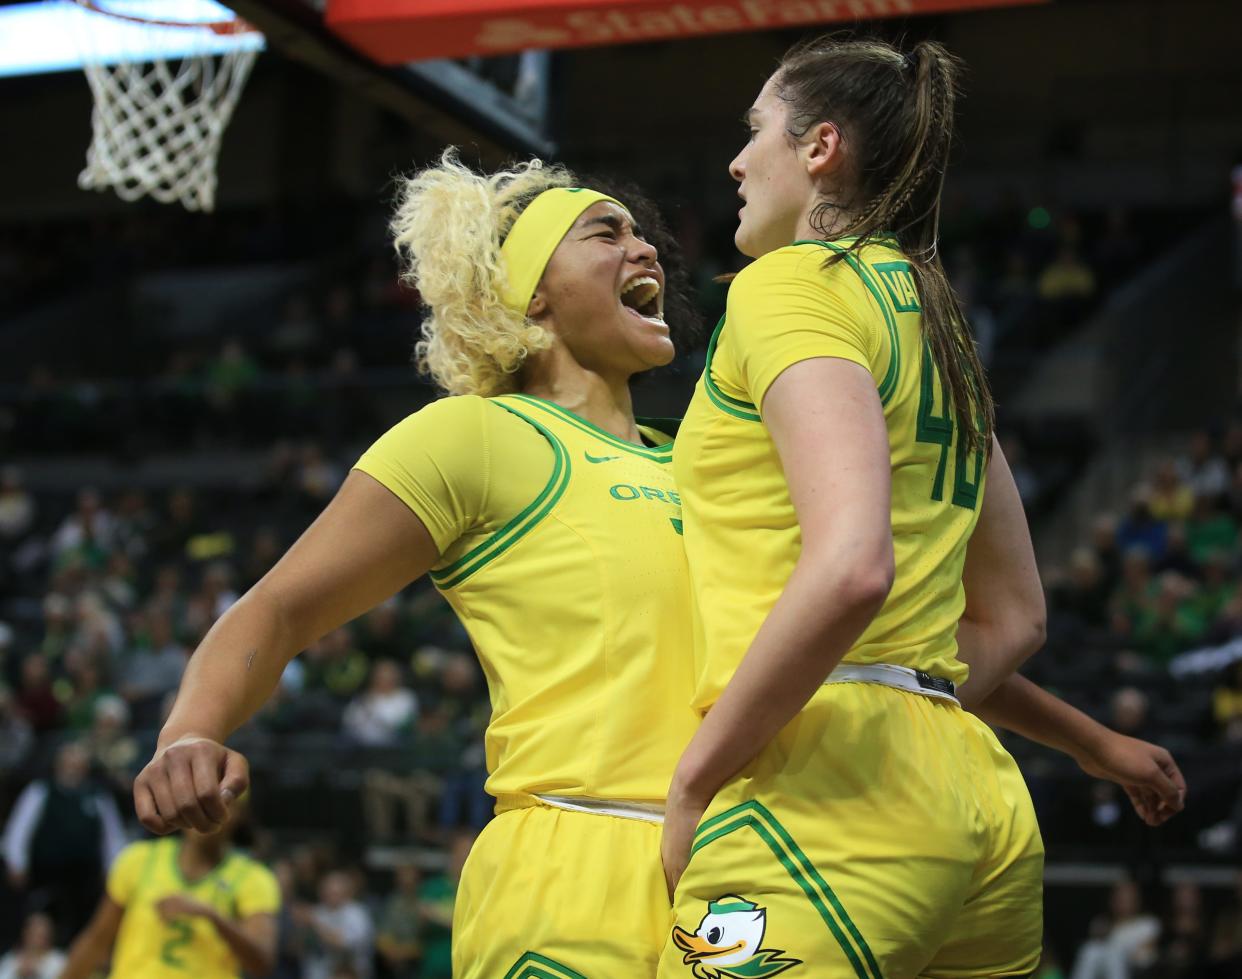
[[517, 528], [730, 406], [755, 816], [174, 859], [889, 383], [532, 965], [659, 453]]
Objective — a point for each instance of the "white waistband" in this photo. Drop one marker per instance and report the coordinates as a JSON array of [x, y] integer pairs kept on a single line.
[[889, 675], [647, 812]]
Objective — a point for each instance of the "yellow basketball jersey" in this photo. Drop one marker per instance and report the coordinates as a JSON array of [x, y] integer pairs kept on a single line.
[[741, 533], [147, 946], [576, 601]]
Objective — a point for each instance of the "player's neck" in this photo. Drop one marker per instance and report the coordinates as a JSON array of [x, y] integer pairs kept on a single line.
[[604, 402], [199, 857]]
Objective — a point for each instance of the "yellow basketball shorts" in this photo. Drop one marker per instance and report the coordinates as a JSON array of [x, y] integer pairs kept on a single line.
[[551, 894], [881, 834]]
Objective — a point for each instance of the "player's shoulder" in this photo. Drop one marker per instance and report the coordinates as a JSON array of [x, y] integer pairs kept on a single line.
[[129, 863], [140, 849], [247, 872], [804, 264], [446, 422]]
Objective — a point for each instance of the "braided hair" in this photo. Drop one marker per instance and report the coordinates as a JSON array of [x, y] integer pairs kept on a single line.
[[895, 114]]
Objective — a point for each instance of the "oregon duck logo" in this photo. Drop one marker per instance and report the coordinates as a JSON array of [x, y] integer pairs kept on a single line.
[[726, 944]]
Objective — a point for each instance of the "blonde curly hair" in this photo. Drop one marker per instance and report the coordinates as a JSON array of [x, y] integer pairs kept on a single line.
[[448, 228]]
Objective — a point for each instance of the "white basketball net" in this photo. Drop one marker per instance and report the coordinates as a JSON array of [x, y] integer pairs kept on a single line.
[[157, 126]]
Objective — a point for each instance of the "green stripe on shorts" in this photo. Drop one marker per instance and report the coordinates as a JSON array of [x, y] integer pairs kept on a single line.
[[790, 856], [532, 965]]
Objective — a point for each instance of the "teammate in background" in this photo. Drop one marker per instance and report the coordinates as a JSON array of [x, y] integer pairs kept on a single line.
[[546, 514], [183, 906], [837, 812]]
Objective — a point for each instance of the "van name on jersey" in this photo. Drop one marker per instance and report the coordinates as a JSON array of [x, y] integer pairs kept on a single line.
[[899, 282], [626, 492]]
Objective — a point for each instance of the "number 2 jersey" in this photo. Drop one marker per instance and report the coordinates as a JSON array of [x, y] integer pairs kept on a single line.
[[561, 554], [741, 532], [150, 947]]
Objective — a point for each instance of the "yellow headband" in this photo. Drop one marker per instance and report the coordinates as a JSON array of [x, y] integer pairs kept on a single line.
[[535, 235]]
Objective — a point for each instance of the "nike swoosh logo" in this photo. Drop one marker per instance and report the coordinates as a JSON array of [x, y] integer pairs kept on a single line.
[[591, 458]]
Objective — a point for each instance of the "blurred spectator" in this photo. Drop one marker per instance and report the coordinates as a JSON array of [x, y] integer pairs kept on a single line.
[[1067, 277], [436, 899], [1128, 712], [463, 800], [62, 834], [1084, 592], [16, 736], [384, 711], [1107, 550], [230, 375], [1210, 530], [398, 936], [87, 532], [1170, 499], [288, 935], [58, 626], [1204, 470], [177, 527], [133, 523], [17, 506], [35, 957], [1177, 557], [1140, 527], [153, 668], [86, 692], [318, 477], [114, 751], [1124, 941], [338, 930], [1227, 704], [1170, 624], [120, 581], [334, 664], [35, 696], [1184, 942], [1136, 591], [383, 632], [1225, 951], [1216, 587]]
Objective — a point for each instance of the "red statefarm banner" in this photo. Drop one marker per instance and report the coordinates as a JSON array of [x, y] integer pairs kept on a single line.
[[395, 31]]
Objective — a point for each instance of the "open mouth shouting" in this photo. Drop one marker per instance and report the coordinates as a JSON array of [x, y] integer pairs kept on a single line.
[[643, 296]]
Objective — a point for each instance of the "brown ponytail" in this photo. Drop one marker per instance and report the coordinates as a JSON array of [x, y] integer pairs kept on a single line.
[[895, 114]]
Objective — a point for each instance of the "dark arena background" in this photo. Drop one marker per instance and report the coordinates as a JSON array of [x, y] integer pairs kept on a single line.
[[181, 392]]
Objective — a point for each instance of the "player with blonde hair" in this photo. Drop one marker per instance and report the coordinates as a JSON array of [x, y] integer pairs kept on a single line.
[[545, 513]]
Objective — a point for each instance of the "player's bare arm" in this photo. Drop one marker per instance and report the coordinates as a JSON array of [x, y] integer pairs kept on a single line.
[[363, 548], [91, 949], [842, 577]]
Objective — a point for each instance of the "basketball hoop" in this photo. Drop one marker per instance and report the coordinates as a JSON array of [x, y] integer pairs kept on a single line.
[[163, 101]]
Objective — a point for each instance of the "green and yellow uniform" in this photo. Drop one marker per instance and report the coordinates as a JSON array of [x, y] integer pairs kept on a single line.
[[883, 832], [147, 946], [561, 554]]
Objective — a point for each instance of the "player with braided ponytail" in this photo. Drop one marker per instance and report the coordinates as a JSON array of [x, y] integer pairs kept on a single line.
[[838, 814]]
